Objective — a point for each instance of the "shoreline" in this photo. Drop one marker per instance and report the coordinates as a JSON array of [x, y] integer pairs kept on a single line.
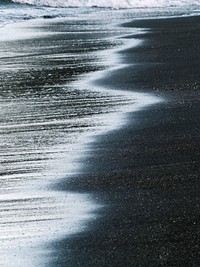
[[32, 96], [146, 174]]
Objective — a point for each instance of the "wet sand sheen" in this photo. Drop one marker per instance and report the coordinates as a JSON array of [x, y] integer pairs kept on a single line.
[[147, 173], [49, 112]]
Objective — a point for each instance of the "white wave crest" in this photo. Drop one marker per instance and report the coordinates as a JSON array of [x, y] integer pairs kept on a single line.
[[110, 3]]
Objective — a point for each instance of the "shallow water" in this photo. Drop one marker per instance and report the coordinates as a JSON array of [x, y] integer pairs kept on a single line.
[[50, 109]]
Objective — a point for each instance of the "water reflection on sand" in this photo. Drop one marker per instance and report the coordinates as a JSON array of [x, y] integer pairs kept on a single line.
[[47, 117]]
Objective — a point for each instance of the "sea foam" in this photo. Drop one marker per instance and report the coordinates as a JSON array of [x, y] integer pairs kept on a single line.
[[111, 3]]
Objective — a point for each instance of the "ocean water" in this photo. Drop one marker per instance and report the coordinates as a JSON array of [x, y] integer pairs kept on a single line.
[[111, 3], [51, 109], [15, 10]]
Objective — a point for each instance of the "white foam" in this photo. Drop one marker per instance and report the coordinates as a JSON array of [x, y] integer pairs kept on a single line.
[[111, 3]]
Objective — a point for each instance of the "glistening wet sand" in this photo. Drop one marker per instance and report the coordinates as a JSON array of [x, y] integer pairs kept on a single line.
[[51, 110], [147, 174]]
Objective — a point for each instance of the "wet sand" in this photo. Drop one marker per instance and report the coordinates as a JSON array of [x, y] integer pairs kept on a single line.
[[147, 174], [50, 110]]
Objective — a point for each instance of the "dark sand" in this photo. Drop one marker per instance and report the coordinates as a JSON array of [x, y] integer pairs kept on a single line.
[[147, 174]]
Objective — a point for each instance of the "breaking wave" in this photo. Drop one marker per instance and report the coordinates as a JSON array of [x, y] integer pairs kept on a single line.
[[108, 3]]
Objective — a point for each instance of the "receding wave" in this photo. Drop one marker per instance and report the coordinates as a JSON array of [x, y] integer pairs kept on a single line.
[[50, 111], [109, 3]]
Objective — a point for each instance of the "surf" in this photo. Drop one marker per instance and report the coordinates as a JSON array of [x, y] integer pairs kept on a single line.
[[120, 4]]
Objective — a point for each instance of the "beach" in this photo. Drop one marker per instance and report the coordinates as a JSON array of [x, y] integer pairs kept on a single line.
[[147, 174], [51, 110], [100, 142]]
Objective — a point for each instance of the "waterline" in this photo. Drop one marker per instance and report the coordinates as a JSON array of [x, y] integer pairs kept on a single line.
[[51, 110]]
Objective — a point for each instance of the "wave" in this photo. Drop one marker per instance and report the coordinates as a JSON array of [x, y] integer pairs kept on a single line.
[[108, 3], [5, 2]]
